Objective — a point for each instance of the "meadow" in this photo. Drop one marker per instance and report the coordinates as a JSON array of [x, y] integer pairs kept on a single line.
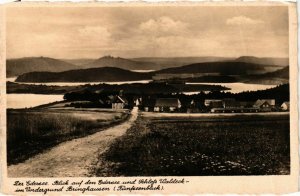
[[30, 132], [201, 146]]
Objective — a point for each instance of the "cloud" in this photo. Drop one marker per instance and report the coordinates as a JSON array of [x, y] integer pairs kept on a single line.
[[243, 20], [95, 33], [163, 26], [131, 32]]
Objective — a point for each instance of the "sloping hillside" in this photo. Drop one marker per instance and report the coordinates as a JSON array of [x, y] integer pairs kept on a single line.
[[223, 68], [169, 62], [79, 62], [263, 61], [15, 67], [104, 74], [277, 77], [109, 61]]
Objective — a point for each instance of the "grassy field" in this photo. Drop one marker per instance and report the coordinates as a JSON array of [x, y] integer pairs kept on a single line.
[[230, 145], [31, 131]]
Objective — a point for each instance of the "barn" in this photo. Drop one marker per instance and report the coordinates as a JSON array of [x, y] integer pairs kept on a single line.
[[118, 102]]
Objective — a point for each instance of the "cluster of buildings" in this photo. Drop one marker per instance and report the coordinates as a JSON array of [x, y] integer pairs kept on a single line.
[[154, 104], [227, 105]]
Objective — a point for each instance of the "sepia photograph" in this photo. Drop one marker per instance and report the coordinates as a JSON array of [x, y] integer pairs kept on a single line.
[[158, 90]]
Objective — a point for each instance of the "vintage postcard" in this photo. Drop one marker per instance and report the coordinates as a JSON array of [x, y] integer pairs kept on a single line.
[[138, 98]]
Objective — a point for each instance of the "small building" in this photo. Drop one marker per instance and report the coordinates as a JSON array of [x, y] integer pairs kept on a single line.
[[167, 105], [230, 105], [285, 106], [265, 105], [118, 102]]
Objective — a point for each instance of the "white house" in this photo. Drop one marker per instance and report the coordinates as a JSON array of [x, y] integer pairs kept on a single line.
[[285, 106]]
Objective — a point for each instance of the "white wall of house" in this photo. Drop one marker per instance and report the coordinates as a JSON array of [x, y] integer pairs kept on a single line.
[[156, 109], [284, 107], [117, 106], [172, 109]]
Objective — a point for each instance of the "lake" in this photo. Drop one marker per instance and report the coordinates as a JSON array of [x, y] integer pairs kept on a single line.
[[239, 87], [76, 83], [143, 70], [235, 87], [30, 100]]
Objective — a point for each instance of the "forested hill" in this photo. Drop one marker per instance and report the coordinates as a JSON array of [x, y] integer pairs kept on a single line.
[[277, 77], [223, 68], [104, 74], [280, 93], [264, 60], [15, 67]]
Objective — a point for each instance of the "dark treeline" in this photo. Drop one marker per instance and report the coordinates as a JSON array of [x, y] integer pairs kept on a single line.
[[135, 88], [279, 93]]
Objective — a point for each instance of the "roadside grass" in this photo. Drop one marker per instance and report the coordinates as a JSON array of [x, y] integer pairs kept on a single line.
[[205, 146], [30, 132]]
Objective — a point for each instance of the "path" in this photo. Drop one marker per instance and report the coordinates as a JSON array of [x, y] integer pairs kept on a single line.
[[72, 158]]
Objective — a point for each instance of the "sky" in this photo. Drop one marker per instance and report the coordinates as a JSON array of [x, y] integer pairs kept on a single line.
[[147, 31]]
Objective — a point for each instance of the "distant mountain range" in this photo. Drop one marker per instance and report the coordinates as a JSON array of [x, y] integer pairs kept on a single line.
[[229, 72], [41, 68], [15, 67], [158, 63]]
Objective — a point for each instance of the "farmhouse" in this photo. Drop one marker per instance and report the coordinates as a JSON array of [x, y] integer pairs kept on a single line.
[[118, 102], [285, 106], [231, 105], [167, 105], [265, 105]]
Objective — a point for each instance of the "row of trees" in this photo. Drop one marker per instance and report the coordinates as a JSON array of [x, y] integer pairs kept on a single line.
[[279, 93]]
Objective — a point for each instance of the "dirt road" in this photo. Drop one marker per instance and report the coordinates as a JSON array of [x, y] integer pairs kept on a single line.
[[72, 158]]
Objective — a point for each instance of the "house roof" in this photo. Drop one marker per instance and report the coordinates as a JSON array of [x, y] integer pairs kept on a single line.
[[286, 103], [260, 102], [117, 99], [167, 102]]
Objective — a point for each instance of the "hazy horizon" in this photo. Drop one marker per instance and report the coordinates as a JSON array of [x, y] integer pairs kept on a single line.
[[147, 31], [94, 58]]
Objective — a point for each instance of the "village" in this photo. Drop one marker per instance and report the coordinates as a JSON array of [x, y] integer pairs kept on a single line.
[[154, 103]]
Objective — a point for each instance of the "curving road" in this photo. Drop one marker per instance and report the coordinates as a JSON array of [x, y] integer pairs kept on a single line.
[[72, 158]]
